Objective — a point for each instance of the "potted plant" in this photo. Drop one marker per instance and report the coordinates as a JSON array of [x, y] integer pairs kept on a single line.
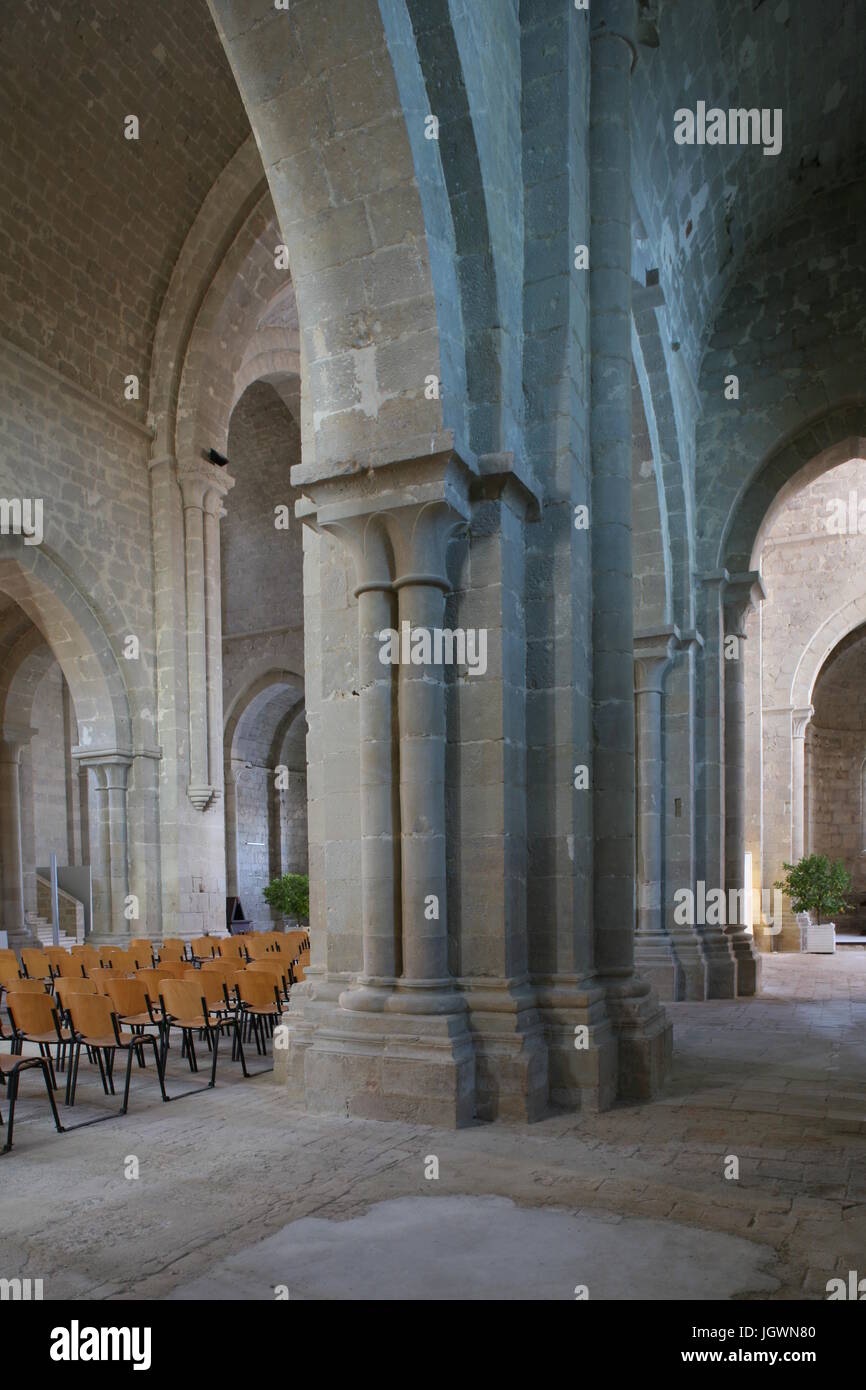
[[290, 895], [815, 884]]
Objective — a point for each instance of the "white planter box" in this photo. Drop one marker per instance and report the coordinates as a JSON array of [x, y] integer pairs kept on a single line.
[[821, 939]]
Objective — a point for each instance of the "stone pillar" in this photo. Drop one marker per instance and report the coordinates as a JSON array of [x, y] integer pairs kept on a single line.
[[231, 819], [655, 952], [365, 538], [643, 1030], [742, 593], [110, 844], [799, 720], [202, 486], [396, 1042], [13, 739], [213, 511], [678, 722], [710, 828]]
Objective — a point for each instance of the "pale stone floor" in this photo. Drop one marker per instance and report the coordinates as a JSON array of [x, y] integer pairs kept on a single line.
[[238, 1192]]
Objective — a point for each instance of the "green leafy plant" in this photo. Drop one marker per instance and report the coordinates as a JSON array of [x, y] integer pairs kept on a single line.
[[290, 895], [814, 884]]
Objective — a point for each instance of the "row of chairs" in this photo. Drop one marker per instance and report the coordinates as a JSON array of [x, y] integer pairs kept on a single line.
[[106, 1009], [50, 962]]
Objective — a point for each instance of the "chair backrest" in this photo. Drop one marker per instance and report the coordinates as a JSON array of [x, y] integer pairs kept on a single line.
[[60, 960], [258, 989], [293, 943], [128, 996], [220, 968], [182, 999], [274, 967], [31, 1012], [232, 948], [91, 1015], [298, 971], [9, 976], [258, 946], [205, 946], [143, 942], [210, 985], [119, 958], [101, 975], [173, 969], [26, 987], [35, 962], [171, 949], [86, 956], [70, 985], [8, 957], [152, 980]]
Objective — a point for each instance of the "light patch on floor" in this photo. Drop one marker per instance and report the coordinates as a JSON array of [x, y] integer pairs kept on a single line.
[[463, 1248]]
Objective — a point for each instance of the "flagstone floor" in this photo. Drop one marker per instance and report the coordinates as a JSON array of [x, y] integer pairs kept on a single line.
[[238, 1194]]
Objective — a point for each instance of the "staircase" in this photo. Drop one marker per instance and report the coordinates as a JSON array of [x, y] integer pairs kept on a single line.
[[41, 929]]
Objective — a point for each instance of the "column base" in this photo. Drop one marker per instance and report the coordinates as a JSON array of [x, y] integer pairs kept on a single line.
[[380, 1065], [644, 1034], [748, 963], [721, 963], [656, 961], [581, 1077], [511, 1065]]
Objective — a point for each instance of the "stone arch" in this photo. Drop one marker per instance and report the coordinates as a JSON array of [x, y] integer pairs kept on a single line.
[[225, 211], [833, 438], [256, 731], [343, 183], [821, 643], [72, 630]]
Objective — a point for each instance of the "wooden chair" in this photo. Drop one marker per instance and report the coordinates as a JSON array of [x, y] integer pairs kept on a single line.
[[185, 1006], [8, 960], [232, 948], [85, 956], [131, 1000], [69, 985], [277, 969], [101, 975], [95, 1026], [260, 1003], [36, 964], [120, 958], [258, 946], [26, 986], [142, 947], [172, 949], [60, 960], [11, 1067], [204, 947], [34, 1019]]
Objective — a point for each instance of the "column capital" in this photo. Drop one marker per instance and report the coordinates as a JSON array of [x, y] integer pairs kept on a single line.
[[397, 527], [203, 484], [742, 594], [13, 738], [111, 769], [799, 719], [654, 649]]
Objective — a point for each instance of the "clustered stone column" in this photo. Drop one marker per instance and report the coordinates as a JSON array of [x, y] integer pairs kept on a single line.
[[203, 486], [109, 841], [644, 1034], [742, 593], [13, 739], [399, 543]]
